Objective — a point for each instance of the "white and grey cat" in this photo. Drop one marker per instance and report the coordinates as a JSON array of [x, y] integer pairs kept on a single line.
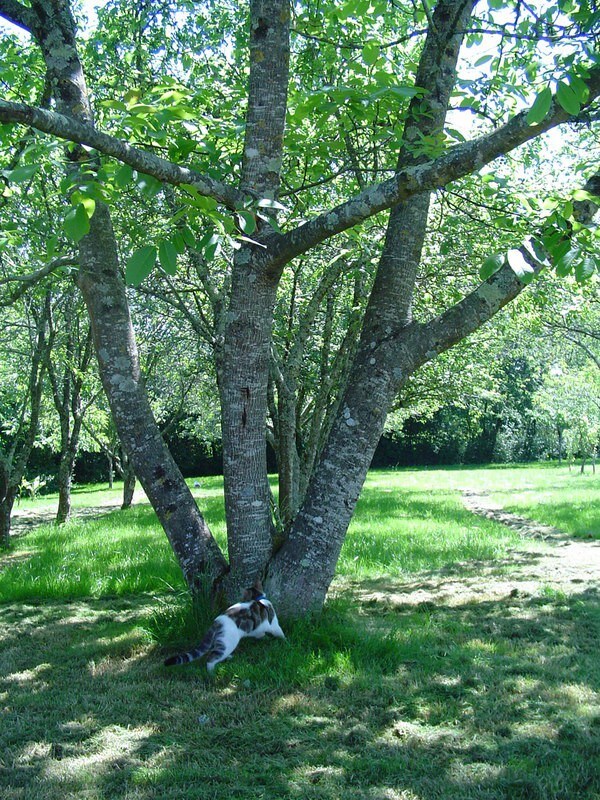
[[254, 616]]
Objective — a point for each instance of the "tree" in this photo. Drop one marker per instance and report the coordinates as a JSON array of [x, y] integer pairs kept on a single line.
[[569, 400], [21, 400], [235, 204], [67, 364]]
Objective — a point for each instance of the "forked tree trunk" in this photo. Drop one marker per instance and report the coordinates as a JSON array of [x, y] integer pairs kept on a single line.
[[301, 572], [391, 347]]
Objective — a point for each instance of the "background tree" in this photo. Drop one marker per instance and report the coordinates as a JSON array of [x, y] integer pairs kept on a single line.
[[67, 365], [23, 371]]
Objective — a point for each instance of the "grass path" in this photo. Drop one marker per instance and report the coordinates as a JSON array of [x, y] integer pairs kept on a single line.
[[26, 517], [547, 560]]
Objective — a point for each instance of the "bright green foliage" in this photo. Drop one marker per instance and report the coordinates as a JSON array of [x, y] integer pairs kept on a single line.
[[140, 264], [76, 223]]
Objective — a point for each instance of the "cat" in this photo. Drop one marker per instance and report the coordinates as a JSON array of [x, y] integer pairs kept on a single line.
[[254, 616]]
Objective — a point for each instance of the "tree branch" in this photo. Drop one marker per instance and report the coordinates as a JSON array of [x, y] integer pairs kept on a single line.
[[150, 164], [458, 161], [32, 278], [19, 15], [426, 341]]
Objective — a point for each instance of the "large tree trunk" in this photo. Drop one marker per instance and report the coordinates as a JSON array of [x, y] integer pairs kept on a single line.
[[301, 572], [103, 291], [246, 351]]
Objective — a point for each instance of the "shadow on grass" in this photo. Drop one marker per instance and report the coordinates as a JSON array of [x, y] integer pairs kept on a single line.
[[494, 700]]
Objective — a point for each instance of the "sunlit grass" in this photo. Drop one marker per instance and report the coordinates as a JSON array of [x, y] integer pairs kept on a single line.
[[400, 528], [406, 521]]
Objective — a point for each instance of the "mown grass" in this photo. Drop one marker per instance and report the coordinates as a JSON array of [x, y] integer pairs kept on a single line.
[[402, 526], [484, 700]]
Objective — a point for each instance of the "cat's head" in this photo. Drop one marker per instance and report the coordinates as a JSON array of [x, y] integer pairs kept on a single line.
[[253, 592]]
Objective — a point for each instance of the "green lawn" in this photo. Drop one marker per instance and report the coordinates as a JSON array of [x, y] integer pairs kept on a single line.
[[486, 699]]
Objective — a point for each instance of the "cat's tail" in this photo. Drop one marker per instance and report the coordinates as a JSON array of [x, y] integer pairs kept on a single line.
[[192, 655]]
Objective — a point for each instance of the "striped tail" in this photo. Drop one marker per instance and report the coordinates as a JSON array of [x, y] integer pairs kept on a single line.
[[192, 655]]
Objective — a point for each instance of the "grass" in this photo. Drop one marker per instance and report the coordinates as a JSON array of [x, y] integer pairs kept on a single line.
[[485, 700]]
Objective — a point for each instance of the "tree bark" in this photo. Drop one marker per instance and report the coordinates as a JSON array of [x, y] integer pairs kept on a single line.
[[244, 367], [6, 507], [129, 481]]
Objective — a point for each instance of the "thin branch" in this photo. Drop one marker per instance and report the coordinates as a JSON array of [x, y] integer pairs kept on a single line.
[[32, 278], [427, 340], [458, 161], [590, 354], [141, 160]]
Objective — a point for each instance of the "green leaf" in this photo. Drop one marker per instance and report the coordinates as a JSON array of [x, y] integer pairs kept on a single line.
[[522, 269], [23, 173], [167, 255], [490, 265], [557, 246], [132, 96], [370, 53], [585, 268], [179, 242], [540, 107], [581, 194], [567, 98], [86, 201], [188, 236], [140, 264], [246, 221], [537, 249], [580, 88], [76, 223], [123, 176], [564, 264], [148, 185], [266, 202], [211, 250]]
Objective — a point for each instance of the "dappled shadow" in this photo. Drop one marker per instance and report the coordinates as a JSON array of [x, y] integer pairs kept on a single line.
[[493, 700]]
